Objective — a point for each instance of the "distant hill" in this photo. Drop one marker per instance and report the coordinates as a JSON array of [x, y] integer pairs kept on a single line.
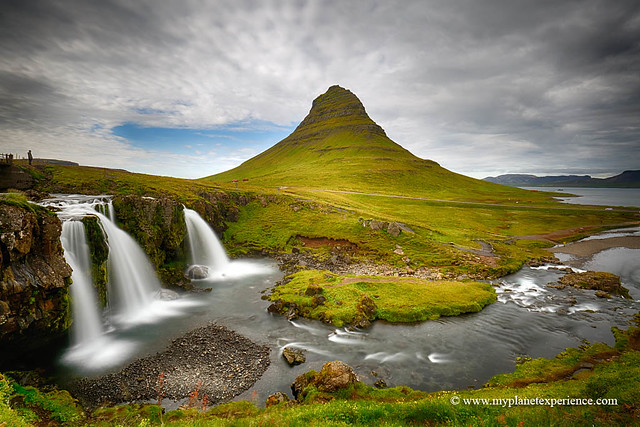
[[337, 146], [627, 179]]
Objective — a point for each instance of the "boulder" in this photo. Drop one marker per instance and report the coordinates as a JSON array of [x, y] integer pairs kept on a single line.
[[335, 376], [293, 356], [277, 398], [394, 229], [197, 272], [377, 225], [332, 377]]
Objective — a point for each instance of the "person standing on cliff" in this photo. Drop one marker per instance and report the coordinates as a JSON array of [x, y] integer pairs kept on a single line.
[[30, 157]]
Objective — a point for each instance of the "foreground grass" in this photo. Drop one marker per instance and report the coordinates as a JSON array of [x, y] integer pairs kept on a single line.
[[341, 300]]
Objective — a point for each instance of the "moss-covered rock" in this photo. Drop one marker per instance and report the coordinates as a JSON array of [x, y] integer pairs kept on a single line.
[[596, 280], [157, 224]]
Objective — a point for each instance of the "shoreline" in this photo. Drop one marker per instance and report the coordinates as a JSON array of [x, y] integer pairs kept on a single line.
[[588, 248]]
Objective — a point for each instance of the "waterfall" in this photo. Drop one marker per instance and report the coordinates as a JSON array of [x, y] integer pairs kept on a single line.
[[107, 210], [206, 249], [87, 322], [132, 280]]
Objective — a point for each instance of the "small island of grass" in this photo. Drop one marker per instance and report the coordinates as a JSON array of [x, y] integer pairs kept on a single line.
[[359, 300]]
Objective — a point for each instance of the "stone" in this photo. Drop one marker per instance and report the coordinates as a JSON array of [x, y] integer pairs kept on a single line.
[[394, 229], [198, 272], [334, 376], [377, 225], [318, 300], [167, 295], [313, 290], [277, 398], [293, 356], [380, 383]]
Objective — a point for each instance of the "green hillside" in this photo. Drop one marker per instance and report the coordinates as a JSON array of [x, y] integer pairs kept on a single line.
[[338, 147]]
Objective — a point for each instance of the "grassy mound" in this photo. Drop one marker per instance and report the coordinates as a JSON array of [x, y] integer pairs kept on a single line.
[[358, 300]]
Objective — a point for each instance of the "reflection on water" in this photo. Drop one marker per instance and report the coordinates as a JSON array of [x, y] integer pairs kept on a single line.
[[623, 262]]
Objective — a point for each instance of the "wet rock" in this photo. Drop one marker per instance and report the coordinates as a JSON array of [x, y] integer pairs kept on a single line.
[[293, 356], [198, 272], [277, 398], [292, 313], [167, 295], [603, 294], [275, 307]]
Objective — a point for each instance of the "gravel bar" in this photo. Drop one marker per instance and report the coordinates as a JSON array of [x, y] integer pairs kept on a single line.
[[224, 362]]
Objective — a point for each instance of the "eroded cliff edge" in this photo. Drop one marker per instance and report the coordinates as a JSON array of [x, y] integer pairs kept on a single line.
[[34, 280]]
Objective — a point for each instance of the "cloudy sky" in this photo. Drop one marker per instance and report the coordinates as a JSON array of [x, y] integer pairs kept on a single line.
[[191, 88]]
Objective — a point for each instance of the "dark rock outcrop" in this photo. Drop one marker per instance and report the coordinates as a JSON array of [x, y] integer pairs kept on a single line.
[[34, 280]]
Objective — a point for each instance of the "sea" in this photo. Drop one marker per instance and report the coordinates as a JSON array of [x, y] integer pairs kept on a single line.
[[629, 197]]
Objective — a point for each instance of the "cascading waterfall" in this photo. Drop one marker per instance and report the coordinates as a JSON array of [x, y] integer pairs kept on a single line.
[[87, 324], [132, 281], [206, 249]]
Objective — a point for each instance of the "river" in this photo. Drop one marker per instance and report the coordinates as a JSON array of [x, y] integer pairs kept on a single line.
[[449, 353]]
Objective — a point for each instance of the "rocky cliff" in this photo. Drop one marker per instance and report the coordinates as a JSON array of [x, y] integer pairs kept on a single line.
[[34, 279]]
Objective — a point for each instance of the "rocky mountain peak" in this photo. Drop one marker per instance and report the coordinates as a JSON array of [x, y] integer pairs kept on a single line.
[[337, 107]]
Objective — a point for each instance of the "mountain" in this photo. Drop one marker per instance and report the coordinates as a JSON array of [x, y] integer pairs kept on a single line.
[[339, 147], [627, 179]]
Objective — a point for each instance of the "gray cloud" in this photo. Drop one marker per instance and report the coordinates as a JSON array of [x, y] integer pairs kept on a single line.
[[483, 87]]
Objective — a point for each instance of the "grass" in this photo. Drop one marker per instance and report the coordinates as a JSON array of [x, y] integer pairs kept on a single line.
[[351, 299], [20, 200]]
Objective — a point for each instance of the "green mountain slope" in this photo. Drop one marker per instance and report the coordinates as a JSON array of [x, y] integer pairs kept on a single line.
[[338, 147]]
